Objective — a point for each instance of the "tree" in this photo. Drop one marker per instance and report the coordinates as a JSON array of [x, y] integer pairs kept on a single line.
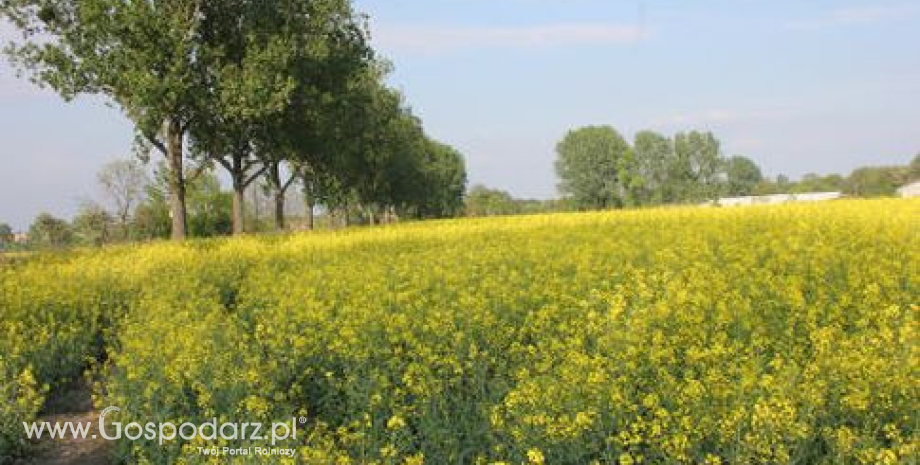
[[653, 154], [125, 184], [875, 181], [315, 186], [483, 201], [6, 236], [246, 83], [783, 184], [696, 168], [443, 181], [914, 168], [742, 176], [590, 167], [334, 72], [92, 225], [812, 182], [272, 65], [48, 231], [208, 207], [146, 57]]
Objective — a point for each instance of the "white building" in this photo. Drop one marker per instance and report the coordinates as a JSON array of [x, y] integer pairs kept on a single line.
[[910, 190], [778, 199]]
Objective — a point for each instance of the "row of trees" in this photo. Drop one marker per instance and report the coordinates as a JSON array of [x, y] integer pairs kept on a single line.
[[274, 90], [598, 168], [485, 201], [136, 205], [867, 181]]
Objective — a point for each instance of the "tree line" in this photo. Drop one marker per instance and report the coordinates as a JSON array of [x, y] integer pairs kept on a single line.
[[135, 207], [279, 91], [597, 168]]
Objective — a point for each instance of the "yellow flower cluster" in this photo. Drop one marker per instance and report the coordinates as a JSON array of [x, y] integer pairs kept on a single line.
[[780, 334]]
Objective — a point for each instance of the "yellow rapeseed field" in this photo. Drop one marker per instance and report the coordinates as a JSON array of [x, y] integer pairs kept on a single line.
[[784, 334]]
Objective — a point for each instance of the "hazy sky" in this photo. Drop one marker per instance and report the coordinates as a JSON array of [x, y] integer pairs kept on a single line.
[[820, 86]]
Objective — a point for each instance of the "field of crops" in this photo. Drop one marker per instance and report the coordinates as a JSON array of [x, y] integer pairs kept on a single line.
[[753, 335]]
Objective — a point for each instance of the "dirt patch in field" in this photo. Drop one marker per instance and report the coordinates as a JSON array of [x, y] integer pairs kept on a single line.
[[72, 404]]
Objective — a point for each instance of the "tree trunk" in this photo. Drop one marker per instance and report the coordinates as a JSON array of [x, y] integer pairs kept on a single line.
[[308, 205], [280, 189], [371, 216], [239, 200], [176, 180], [279, 210]]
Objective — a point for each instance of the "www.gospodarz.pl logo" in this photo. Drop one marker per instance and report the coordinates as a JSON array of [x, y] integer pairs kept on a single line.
[[168, 431]]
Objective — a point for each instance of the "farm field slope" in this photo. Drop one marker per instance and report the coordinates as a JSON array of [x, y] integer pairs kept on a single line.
[[782, 334]]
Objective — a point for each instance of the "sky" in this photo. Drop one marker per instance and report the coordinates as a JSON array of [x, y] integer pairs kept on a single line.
[[819, 86]]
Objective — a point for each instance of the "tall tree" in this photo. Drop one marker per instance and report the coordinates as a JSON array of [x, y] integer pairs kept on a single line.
[[874, 181], [310, 137], [364, 145], [6, 235], [742, 176], [247, 55], [125, 184], [272, 65], [697, 167], [144, 56], [443, 180], [92, 225], [590, 167], [208, 207], [653, 153], [48, 231]]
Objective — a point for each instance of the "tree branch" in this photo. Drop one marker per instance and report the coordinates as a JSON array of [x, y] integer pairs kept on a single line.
[[156, 143], [287, 184], [224, 163], [255, 176]]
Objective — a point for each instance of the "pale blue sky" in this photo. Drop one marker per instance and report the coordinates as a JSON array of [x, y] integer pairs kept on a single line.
[[821, 86]]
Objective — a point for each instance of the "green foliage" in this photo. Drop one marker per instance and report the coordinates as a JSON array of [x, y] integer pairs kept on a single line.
[[443, 182], [875, 181], [592, 165], [868, 181], [598, 169], [124, 183], [697, 167], [482, 201], [816, 183], [742, 176], [49, 232], [251, 85], [6, 236], [141, 55], [654, 154], [208, 208], [93, 226]]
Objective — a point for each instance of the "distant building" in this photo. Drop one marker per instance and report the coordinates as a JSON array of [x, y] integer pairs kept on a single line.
[[20, 238], [910, 190], [777, 199]]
